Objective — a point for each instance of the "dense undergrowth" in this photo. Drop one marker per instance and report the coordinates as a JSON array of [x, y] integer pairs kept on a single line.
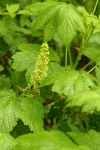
[[49, 75]]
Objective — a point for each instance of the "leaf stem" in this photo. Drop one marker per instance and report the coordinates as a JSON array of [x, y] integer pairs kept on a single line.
[[95, 6], [66, 57], [90, 62], [85, 40], [91, 69], [70, 57], [87, 65]]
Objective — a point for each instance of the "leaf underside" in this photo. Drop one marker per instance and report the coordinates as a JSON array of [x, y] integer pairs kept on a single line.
[[60, 18]]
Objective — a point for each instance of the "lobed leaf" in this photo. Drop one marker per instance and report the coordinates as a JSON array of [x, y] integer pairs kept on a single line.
[[30, 111], [12, 8], [7, 142], [90, 19], [68, 82], [12, 108], [38, 7], [53, 140], [8, 118], [25, 59], [9, 31], [60, 18], [27, 56], [93, 49], [88, 100], [90, 139]]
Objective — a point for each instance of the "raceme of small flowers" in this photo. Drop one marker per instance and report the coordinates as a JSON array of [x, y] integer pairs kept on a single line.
[[40, 71]]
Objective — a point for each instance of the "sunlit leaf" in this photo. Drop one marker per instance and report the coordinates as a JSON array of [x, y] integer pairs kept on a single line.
[[88, 100], [30, 111], [68, 82]]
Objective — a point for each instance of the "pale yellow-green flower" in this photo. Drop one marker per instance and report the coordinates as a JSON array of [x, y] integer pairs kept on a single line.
[[40, 71]]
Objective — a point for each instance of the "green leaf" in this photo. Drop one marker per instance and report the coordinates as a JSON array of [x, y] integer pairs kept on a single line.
[[24, 21], [12, 8], [69, 23], [90, 19], [1, 68], [30, 111], [60, 18], [29, 72], [18, 80], [9, 31], [53, 140], [68, 81], [90, 139], [93, 53], [88, 100], [53, 67], [93, 49], [96, 22], [5, 82], [25, 58], [36, 8], [53, 55], [7, 142], [8, 117], [50, 29], [25, 12]]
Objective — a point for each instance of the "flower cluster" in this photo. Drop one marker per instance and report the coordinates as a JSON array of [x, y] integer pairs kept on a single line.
[[40, 71], [41, 68]]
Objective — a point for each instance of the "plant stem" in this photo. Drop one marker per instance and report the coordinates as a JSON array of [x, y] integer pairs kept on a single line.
[[66, 57], [95, 6], [70, 58], [92, 69], [85, 40], [90, 62], [87, 65]]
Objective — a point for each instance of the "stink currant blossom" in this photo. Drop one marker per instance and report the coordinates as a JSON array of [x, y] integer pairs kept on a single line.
[[40, 71]]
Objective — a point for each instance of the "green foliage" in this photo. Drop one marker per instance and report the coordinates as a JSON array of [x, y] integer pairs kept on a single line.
[[90, 139], [29, 53], [4, 82], [13, 108], [86, 100], [12, 9], [31, 113], [68, 82], [8, 117], [92, 51], [98, 74], [9, 31], [53, 140], [7, 142], [49, 92], [25, 58], [58, 18]]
